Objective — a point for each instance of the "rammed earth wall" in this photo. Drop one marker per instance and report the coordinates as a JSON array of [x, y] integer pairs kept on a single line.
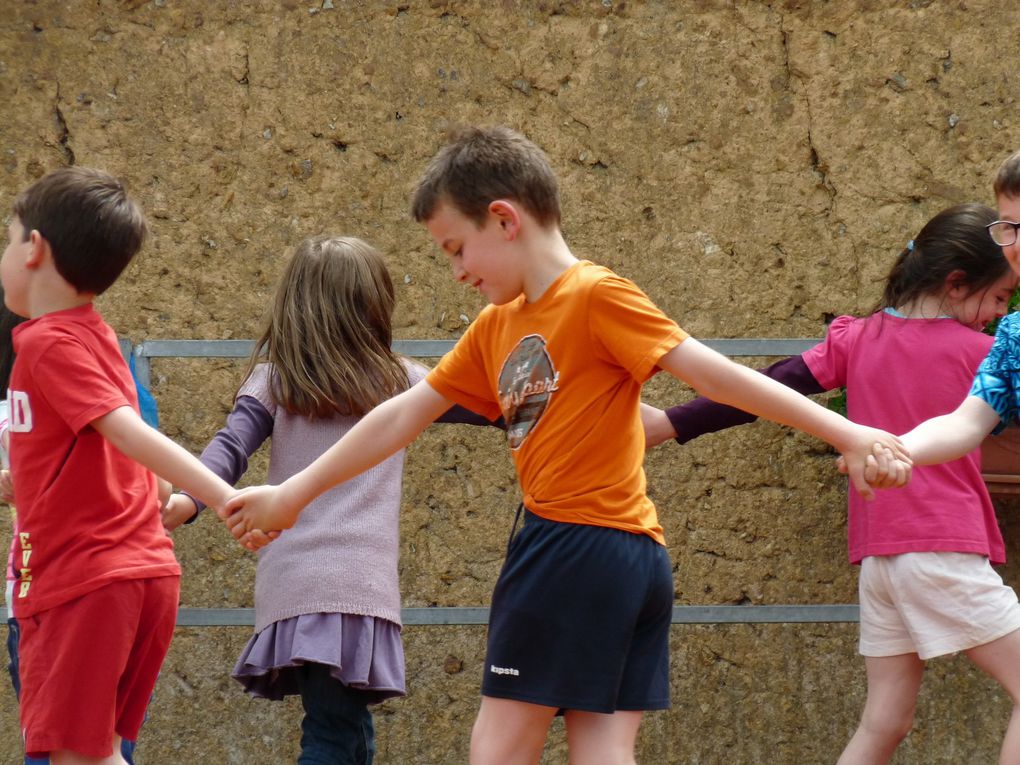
[[754, 166]]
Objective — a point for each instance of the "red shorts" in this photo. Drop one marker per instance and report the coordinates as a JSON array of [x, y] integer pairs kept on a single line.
[[88, 666]]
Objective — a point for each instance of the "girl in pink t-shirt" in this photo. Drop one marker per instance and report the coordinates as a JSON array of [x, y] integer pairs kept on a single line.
[[926, 587]]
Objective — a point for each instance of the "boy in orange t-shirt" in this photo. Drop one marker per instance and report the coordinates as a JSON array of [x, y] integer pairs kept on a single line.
[[580, 615]]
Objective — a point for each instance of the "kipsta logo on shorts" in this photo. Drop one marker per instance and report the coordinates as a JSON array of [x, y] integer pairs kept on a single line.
[[526, 384]]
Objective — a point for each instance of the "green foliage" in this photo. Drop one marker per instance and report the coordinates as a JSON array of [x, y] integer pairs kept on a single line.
[[837, 402]]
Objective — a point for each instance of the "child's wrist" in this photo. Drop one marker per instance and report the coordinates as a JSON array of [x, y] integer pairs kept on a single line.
[[196, 505], [166, 502], [289, 497]]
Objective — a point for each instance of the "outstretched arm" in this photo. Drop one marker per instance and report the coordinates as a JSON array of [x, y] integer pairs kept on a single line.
[[123, 428], [248, 425], [686, 422], [388, 428], [716, 377], [952, 435]]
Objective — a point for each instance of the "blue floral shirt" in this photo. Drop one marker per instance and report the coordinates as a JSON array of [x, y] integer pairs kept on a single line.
[[998, 378]]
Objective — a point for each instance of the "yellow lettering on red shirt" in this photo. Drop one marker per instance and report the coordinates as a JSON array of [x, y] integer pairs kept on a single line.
[[24, 573]]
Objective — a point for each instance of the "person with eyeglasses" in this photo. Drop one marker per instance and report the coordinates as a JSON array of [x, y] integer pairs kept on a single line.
[[994, 399], [914, 357]]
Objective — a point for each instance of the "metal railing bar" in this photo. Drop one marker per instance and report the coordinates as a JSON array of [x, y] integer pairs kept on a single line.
[[233, 349], [460, 616]]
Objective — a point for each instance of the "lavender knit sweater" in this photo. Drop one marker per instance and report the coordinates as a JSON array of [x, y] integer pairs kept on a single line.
[[341, 555]]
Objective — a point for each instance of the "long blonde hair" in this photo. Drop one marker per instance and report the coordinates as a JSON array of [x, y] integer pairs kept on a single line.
[[328, 334]]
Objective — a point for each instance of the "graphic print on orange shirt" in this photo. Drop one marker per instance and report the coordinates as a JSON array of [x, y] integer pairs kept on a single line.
[[526, 384]]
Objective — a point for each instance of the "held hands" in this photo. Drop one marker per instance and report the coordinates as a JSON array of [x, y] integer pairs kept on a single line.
[[256, 515], [180, 509], [875, 460], [177, 510], [658, 428]]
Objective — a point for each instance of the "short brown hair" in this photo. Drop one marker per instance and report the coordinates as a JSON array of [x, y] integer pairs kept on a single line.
[[480, 165], [1007, 179], [93, 228]]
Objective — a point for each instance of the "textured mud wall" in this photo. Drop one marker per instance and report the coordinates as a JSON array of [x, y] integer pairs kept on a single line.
[[754, 166]]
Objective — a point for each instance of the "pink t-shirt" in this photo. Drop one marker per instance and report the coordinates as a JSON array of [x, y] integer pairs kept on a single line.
[[899, 372]]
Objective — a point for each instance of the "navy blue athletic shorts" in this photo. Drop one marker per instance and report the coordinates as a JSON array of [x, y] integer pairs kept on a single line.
[[580, 619]]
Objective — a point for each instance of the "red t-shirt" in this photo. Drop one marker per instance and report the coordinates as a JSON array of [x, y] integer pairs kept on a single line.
[[566, 373], [87, 515]]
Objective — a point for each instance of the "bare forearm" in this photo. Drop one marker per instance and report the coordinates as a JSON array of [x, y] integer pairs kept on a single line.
[[385, 430], [181, 468], [129, 434], [726, 383], [874, 458], [163, 490], [367, 444], [951, 436], [702, 415]]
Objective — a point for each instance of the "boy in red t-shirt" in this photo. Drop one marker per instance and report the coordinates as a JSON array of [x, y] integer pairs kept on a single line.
[[580, 615], [97, 589]]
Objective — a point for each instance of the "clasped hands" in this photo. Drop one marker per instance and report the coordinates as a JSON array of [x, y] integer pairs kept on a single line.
[[255, 516], [887, 465]]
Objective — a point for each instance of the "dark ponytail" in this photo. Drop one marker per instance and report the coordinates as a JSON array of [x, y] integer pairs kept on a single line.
[[954, 240]]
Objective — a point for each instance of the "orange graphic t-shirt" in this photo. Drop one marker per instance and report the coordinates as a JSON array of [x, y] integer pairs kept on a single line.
[[565, 372]]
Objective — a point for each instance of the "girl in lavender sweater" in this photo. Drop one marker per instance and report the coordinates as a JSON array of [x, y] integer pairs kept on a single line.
[[327, 599]]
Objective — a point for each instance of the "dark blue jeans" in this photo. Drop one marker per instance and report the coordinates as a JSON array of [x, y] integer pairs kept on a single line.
[[337, 726], [127, 748]]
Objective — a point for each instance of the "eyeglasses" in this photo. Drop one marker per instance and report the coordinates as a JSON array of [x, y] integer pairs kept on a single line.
[[1003, 232]]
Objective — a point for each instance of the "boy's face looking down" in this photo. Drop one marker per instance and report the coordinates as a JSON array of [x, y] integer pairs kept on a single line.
[[481, 257]]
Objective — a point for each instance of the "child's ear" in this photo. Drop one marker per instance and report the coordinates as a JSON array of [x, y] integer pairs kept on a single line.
[[507, 216], [39, 250], [956, 280]]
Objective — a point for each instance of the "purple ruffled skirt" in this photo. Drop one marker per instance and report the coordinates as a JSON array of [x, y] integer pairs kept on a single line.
[[364, 652]]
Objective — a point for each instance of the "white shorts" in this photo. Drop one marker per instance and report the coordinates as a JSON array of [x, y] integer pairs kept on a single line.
[[932, 604]]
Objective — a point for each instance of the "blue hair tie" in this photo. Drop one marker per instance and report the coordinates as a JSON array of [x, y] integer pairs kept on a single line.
[[910, 245]]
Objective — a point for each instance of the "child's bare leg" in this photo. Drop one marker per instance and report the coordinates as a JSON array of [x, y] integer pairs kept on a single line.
[[1001, 660], [67, 757], [893, 685], [602, 739], [509, 732]]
